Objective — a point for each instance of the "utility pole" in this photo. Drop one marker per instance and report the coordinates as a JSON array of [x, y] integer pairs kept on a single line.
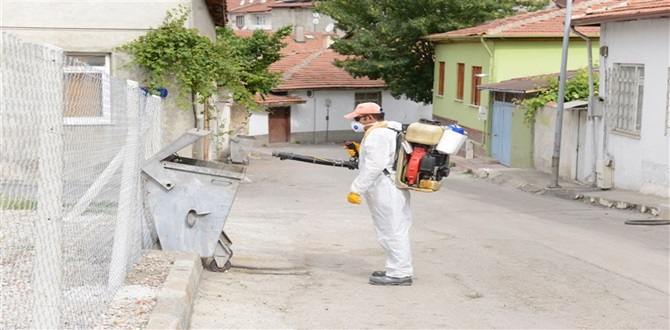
[[561, 99]]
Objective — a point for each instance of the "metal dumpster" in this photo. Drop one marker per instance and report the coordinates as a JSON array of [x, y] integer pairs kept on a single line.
[[190, 201], [240, 146]]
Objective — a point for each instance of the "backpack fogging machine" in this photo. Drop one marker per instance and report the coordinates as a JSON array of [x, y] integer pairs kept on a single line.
[[421, 157]]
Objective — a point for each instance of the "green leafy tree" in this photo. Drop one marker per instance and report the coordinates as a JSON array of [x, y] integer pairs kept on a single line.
[[576, 88], [254, 54], [175, 56], [384, 37], [197, 67]]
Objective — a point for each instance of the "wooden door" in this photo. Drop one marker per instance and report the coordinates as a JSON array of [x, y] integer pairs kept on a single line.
[[279, 125]]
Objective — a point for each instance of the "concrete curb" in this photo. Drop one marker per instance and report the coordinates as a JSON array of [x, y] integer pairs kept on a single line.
[[174, 302], [587, 195]]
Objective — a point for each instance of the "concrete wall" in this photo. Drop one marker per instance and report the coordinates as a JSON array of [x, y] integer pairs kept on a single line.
[[99, 27], [641, 162], [521, 150], [280, 17], [250, 21], [544, 144], [309, 124], [299, 16]]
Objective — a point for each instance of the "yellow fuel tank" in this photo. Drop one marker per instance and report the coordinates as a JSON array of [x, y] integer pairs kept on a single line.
[[424, 133]]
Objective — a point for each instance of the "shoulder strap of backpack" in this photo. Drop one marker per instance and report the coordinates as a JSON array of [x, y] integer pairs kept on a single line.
[[398, 146]]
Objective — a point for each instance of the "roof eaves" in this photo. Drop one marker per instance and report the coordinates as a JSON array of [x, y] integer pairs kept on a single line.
[[503, 36], [585, 20]]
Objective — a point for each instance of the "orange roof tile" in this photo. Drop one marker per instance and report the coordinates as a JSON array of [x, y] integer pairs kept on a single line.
[[293, 4], [309, 65], [625, 11], [317, 71], [542, 23], [232, 4], [253, 6]]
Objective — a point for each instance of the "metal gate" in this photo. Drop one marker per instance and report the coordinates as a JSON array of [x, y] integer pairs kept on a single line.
[[501, 131]]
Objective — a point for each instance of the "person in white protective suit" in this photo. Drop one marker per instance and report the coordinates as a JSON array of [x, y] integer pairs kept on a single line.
[[389, 206]]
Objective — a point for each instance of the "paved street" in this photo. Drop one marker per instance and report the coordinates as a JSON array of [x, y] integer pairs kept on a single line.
[[485, 256]]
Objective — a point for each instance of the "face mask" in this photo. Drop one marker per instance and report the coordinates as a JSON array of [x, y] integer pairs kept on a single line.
[[358, 127]]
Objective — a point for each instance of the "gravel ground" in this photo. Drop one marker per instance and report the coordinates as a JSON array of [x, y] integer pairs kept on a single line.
[[86, 247], [132, 305]]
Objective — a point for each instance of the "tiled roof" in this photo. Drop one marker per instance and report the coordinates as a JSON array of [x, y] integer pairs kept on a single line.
[[625, 11], [273, 100], [317, 71], [309, 65], [542, 23], [252, 6], [232, 5], [525, 84], [293, 4]]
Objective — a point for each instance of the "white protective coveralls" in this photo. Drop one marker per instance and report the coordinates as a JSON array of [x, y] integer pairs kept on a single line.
[[388, 205]]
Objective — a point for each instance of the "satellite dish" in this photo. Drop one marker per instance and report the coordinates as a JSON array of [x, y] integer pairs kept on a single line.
[[251, 1], [316, 15], [315, 21], [242, 3], [330, 27]]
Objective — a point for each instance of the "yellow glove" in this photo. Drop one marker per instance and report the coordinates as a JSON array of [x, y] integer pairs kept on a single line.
[[354, 198], [353, 148]]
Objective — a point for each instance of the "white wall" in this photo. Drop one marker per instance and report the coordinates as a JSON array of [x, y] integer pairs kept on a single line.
[[300, 16], [545, 128], [311, 116], [100, 26], [641, 164]]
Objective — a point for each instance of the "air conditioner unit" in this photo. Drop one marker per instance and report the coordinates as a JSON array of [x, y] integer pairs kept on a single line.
[[604, 174]]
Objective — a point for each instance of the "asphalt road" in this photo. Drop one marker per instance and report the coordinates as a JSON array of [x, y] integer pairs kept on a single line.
[[485, 256]]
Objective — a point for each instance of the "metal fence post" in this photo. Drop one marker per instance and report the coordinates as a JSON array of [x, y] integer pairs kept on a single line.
[[128, 222], [47, 274]]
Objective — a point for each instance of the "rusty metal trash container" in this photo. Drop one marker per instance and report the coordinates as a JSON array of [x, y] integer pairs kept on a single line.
[[190, 200]]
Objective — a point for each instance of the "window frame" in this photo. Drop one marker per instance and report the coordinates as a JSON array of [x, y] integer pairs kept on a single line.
[[460, 81], [105, 85], [260, 20], [440, 83], [239, 21], [476, 94]]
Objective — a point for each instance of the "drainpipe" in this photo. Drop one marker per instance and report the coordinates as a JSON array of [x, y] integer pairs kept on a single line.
[[592, 178], [314, 96], [555, 159], [488, 50]]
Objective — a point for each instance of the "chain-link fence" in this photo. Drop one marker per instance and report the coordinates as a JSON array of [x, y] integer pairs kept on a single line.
[[73, 139]]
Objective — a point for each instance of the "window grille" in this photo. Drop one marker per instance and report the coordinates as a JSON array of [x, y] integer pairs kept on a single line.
[[260, 20], [239, 21], [375, 97], [87, 90], [624, 100]]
